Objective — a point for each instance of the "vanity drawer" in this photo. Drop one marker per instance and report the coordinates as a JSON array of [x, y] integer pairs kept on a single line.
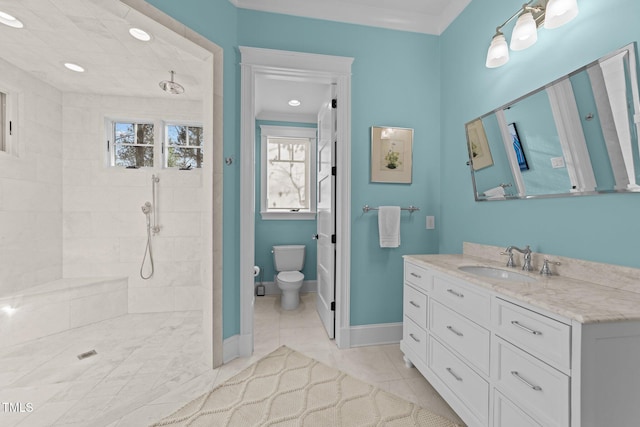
[[415, 306], [418, 276], [508, 414], [533, 385], [546, 338], [464, 336], [471, 303], [471, 388], [415, 338]]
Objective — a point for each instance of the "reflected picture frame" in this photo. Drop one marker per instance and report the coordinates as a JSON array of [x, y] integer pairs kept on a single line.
[[391, 154], [478, 146]]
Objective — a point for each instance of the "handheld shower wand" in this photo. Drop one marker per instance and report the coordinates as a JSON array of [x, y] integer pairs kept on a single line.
[[146, 210], [150, 209]]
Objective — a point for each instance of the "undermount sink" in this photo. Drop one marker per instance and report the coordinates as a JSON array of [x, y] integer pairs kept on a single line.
[[496, 273]]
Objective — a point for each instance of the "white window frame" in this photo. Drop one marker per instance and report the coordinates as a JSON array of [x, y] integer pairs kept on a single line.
[[268, 131], [165, 141], [111, 138], [9, 122]]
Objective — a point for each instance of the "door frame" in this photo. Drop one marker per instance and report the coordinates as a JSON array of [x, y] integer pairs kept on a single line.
[[303, 67]]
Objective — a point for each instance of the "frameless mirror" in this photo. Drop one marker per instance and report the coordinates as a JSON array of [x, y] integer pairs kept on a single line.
[[577, 135]]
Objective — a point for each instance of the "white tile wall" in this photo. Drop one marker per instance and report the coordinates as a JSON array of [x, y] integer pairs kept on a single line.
[[63, 213], [31, 187], [104, 227]]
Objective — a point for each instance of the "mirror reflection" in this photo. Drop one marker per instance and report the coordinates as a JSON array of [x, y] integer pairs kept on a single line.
[[577, 135]]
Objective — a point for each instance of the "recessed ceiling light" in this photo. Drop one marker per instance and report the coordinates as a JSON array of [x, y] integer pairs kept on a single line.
[[294, 103], [139, 34], [74, 67], [10, 20]]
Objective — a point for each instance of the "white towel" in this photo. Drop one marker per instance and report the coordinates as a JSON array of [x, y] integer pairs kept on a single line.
[[496, 192], [389, 226]]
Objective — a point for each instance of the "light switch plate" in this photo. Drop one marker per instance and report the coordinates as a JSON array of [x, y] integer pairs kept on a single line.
[[431, 222]]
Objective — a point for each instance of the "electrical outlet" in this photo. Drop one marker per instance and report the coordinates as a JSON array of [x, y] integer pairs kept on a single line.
[[431, 222], [557, 162]]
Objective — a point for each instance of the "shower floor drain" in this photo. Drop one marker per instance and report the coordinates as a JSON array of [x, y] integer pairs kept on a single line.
[[87, 354]]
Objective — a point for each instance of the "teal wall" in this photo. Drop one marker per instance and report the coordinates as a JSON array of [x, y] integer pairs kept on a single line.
[[281, 232], [395, 82], [602, 228], [434, 85]]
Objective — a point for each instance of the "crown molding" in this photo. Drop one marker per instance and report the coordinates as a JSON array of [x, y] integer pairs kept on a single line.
[[361, 14]]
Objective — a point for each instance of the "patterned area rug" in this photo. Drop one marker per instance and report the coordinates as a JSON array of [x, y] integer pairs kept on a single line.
[[286, 388]]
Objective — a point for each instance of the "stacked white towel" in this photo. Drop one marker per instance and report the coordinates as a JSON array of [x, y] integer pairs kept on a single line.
[[495, 193], [389, 226]]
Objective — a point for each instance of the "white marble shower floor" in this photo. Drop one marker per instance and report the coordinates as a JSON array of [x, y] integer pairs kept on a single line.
[[149, 365]]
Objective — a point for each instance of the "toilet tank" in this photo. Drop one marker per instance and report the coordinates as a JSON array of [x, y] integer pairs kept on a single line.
[[288, 257]]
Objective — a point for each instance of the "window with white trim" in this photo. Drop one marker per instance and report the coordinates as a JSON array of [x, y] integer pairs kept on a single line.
[[288, 172], [8, 122], [131, 144], [4, 121], [183, 146]]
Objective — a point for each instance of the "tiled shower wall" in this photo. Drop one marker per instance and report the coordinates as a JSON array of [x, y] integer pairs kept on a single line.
[[31, 186], [104, 229]]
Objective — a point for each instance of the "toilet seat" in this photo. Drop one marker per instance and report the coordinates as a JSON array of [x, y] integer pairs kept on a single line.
[[290, 276]]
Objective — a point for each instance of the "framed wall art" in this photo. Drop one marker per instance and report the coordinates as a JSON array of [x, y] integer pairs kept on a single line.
[[479, 152], [391, 154]]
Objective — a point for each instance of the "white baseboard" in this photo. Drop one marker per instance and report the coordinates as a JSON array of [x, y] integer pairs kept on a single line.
[[383, 333], [357, 336], [236, 346], [307, 286]]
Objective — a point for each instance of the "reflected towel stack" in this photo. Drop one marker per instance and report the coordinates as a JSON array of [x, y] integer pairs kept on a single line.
[[495, 193]]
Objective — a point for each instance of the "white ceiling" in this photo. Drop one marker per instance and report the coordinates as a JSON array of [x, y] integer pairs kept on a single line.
[[272, 97], [421, 16], [94, 34]]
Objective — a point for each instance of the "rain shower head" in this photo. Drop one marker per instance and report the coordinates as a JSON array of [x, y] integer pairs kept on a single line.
[[171, 86]]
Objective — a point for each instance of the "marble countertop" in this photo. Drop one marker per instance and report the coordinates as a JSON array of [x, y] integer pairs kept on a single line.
[[578, 300]]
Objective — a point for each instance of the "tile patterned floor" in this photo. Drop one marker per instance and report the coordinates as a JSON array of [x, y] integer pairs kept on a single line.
[[149, 365]]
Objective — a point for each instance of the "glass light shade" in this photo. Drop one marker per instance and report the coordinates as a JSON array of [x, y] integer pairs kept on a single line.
[[525, 33], [559, 12], [498, 53]]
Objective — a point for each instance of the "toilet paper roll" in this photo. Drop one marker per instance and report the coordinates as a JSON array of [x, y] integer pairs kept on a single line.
[[256, 270]]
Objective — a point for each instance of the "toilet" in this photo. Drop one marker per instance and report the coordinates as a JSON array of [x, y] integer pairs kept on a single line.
[[289, 260]]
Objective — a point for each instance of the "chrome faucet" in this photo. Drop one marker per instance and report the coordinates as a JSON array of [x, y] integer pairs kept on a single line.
[[526, 265], [546, 271]]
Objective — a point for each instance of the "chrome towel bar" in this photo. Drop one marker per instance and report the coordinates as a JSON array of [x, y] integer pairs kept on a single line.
[[411, 209]]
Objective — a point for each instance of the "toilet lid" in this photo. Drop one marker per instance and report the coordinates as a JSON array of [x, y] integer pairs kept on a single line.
[[290, 276]]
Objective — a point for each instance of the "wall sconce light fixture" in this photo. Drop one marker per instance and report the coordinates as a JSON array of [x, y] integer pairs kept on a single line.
[[532, 15]]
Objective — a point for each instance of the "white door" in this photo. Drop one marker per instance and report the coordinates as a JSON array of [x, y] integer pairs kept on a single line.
[[326, 228]]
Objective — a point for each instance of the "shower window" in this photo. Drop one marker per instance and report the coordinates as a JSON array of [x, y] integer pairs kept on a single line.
[[3, 121], [132, 144], [288, 172], [183, 146], [8, 120]]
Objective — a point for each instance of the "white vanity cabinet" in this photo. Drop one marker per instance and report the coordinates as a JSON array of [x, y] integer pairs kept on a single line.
[[418, 283], [501, 362]]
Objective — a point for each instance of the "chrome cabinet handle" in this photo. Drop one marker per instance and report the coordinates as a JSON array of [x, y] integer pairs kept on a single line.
[[416, 275], [521, 326], [414, 304], [414, 338], [458, 294], [532, 386], [451, 328], [454, 375]]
